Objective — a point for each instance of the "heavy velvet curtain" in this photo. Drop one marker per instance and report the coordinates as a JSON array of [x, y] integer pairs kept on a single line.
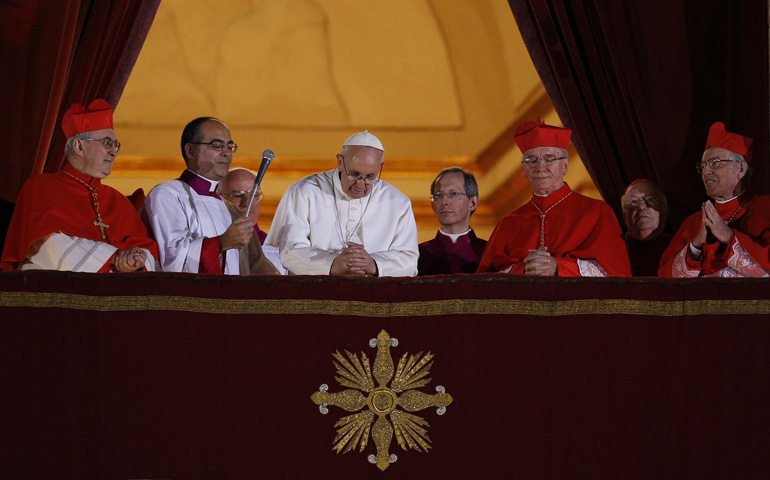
[[641, 82], [54, 53]]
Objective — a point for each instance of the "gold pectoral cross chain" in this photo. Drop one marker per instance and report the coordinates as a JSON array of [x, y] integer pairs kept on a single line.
[[99, 222], [95, 203]]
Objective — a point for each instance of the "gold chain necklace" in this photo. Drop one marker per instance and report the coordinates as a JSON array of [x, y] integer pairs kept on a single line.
[[95, 203], [543, 215], [740, 205]]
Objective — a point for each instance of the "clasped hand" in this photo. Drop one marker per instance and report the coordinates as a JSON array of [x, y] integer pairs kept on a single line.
[[129, 260], [714, 223], [354, 260], [539, 262]]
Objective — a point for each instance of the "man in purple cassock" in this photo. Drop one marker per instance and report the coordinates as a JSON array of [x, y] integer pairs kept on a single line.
[[456, 249]]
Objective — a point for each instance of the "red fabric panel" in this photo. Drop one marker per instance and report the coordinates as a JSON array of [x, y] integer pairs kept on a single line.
[[109, 393], [137, 199], [210, 261]]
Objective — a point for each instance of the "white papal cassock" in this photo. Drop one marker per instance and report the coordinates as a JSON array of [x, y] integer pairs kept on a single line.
[[315, 220]]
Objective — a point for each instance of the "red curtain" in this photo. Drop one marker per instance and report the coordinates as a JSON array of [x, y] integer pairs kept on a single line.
[[641, 82], [56, 53]]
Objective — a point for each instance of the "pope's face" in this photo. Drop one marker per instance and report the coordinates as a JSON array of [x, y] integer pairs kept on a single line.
[[545, 178], [93, 158], [453, 213], [722, 183], [641, 210], [363, 162], [205, 160]]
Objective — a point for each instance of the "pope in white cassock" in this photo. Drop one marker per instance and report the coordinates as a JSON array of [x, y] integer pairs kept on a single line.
[[347, 221]]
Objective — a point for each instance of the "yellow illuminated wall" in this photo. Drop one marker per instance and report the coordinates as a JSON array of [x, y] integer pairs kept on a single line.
[[437, 81]]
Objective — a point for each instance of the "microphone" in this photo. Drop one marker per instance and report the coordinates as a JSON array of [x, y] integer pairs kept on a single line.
[[267, 157]]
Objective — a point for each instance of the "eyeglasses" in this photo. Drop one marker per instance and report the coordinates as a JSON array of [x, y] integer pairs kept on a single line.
[[370, 179], [237, 195], [532, 162], [650, 202], [449, 195], [219, 145], [712, 162], [106, 141]]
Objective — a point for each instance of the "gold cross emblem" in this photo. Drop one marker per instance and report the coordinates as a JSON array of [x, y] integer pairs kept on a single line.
[[383, 408], [98, 222]]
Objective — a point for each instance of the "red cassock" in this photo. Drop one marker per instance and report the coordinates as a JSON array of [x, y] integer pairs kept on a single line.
[[577, 227], [750, 223], [56, 202]]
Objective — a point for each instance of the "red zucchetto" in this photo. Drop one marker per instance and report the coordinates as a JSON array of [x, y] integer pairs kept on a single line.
[[538, 134], [79, 119], [721, 138]]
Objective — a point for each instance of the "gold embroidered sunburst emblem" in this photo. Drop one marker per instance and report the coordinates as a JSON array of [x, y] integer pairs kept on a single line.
[[383, 401]]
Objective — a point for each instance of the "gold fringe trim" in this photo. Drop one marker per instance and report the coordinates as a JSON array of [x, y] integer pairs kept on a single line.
[[380, 309]]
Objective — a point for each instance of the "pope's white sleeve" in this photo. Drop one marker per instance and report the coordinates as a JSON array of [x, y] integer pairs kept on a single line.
[[290, 232], [400, 260]]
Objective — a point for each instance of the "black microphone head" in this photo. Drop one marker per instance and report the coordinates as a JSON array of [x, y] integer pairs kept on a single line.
[[267, 157]]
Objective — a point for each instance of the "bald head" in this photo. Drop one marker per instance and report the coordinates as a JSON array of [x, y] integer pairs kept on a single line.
[[236, 188], [645, 210], [237, 179]]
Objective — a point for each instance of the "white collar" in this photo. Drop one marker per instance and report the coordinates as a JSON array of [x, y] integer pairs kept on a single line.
[[729, 199], [454, 236], [212, 183]]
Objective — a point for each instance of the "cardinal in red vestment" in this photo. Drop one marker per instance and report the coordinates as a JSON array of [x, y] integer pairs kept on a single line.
[[730, 236], [558, 232], [71, 221]]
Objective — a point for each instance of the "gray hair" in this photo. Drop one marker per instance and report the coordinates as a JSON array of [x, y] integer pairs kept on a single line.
[[563, 152], [69, 147], [344, 151], [469, 181], [747, 177]]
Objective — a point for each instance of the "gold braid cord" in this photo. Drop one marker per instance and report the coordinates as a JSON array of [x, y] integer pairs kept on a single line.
[[94, 203], [545, 214], [377, 409]]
